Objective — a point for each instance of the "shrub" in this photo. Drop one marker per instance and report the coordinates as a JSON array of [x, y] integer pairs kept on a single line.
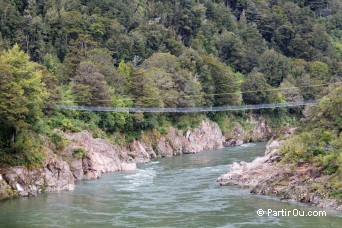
[[295, 149], [162, 130], [64, 123], [27, 150], [188, 121], [317, 151], [80, 153], [59, 141], [329, 164]]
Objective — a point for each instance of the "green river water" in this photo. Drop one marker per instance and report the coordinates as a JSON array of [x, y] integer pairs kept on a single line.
[[168, 192]]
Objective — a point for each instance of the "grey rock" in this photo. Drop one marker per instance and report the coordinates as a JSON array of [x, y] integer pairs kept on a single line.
[[233, 142], [264, 176]]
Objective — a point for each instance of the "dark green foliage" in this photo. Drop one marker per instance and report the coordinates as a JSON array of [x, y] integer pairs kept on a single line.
[[219, 82], [330, 163], [275, 67], [162, 130], [256, 90]]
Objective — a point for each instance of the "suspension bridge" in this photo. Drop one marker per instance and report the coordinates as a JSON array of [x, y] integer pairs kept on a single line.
[[187, 109], [202, 109]]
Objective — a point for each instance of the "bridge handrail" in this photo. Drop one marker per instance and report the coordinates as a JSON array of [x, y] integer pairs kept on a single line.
[[186, 109]]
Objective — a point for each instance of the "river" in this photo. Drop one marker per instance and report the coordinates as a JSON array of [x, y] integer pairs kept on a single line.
[[168, 192]]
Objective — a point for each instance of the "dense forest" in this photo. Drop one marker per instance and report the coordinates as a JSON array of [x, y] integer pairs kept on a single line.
[[139, 53]]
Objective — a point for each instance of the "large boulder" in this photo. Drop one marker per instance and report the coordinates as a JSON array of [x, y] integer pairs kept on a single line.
[[128, 167], [256, 130], [208, 136], [248, 174]]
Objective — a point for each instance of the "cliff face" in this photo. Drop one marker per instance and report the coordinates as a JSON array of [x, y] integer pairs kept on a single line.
[[257, 131], [20, 181], [89, 158], [266, 176], [98, 156], [207, 136]]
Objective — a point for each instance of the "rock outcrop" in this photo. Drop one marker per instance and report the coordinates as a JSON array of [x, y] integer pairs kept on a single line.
[[99, 156], [87, 158], [199, 139], [233, 142], [5, 190], [138, 152], [208, 136], [260, 130], [251, 174], [265, 176], [55, 175], [257, 131]]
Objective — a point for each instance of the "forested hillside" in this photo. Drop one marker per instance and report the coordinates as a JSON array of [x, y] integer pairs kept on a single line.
[[139, 53]]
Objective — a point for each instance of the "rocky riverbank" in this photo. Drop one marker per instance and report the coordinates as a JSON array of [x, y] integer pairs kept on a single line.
[[88, 158], [265, 175]]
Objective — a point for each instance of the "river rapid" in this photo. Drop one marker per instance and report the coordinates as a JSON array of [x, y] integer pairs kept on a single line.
[[168, 192]]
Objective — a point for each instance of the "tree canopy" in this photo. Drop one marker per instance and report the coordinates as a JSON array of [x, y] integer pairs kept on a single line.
[[159, 53]]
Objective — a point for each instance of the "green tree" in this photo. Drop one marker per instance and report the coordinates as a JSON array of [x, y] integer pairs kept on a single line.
[[219, 79], [190, 60], [319, 70], [13, 103], [256, 90], [290, 92], [90, 86], [232, 51], [78, 50], [274, 66], [163, 80], [145, 92], [103, 60], [189, 89], [126, 72], [310, 92], [22, 93], [165, 61]]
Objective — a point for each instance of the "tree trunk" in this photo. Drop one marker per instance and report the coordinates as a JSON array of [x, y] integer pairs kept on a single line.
[[14, 134]]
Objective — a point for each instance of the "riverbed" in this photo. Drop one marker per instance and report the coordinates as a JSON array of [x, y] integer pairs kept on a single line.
[[167, 192]]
